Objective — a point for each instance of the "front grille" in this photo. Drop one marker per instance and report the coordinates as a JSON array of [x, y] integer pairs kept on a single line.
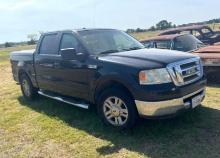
[[186, 71]]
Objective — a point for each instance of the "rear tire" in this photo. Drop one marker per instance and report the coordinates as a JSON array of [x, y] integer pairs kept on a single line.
[[29, 92], [117, 108]]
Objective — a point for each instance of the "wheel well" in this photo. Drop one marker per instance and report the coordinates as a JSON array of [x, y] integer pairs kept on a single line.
[[111, 84], [20, 73]]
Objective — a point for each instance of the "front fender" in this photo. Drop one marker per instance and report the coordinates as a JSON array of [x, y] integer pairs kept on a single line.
[[125, 80]]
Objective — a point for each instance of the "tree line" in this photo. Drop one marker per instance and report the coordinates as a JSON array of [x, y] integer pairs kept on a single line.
[[161, 25], [32, 39], [164, 24]]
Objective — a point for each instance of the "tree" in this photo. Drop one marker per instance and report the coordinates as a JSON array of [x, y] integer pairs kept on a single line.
[[152, 28], [33, 39], [7, 44], [41, 32], [130, 30], [140, 30], [163, 24]]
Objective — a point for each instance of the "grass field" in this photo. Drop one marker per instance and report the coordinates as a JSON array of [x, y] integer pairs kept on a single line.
[[215, 26], [145, 35], [46, 128]]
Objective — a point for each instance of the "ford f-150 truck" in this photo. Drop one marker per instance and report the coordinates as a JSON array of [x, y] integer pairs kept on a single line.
[[112, 71]]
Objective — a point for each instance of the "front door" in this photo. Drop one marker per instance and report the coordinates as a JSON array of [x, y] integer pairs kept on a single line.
[[73, 73]]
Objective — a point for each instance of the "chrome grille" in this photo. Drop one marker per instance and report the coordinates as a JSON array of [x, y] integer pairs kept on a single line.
[[186, 71]]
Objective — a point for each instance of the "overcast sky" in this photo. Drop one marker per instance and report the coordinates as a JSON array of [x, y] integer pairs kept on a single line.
[[22, 17]]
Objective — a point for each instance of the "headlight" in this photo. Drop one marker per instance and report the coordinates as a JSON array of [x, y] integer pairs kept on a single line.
[[155, 76]]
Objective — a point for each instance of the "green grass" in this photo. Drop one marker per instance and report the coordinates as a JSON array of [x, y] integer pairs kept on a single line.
[[47, 128], [144, 35]]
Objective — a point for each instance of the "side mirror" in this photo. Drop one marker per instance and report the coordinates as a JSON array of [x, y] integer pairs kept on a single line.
[[71, 54], [68, 53]]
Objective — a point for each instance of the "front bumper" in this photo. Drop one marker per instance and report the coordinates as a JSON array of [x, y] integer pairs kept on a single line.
[[167, 107]]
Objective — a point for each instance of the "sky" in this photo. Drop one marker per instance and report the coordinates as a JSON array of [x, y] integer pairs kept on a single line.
[[22, 17]]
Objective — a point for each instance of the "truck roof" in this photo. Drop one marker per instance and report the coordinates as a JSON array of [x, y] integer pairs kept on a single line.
[[180, 29], [163, 37], [76, 30]]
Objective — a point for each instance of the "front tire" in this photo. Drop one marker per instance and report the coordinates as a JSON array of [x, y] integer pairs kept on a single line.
[[29, 92], [117, 108]]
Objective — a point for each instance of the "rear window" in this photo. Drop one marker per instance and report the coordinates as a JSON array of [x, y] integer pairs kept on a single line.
[[49, 44]]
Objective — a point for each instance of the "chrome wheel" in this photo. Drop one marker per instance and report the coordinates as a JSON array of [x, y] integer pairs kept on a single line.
[[26, 87], [115, 111]]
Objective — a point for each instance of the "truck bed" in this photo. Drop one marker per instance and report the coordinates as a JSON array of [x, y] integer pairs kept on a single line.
[[22, 55], [22, 59]]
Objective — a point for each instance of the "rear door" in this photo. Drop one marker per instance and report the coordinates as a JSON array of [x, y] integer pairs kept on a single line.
[[47, 61]]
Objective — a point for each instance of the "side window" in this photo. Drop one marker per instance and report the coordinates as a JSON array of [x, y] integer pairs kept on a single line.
[[195, 33], [186, 32], [49, 44], [147, 44], [163, 44], [69, 41]]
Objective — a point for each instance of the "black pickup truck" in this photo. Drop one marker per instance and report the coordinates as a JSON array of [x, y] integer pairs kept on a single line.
[[112, 71]]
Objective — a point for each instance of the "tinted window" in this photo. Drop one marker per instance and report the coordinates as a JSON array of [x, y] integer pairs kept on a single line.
[[163, 44], [148, 44], [49, 44], [69, 41]]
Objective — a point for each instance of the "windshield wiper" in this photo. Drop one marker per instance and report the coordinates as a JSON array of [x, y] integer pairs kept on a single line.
[[115, 50], [109, 51], [135, 48], [132, 48]]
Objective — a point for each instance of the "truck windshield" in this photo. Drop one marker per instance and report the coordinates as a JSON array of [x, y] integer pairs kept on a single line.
[[187, 43], [108, 41]]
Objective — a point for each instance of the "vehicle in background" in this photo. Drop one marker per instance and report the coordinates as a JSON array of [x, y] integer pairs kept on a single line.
[[210, 55], [203, 32], [112, 71]]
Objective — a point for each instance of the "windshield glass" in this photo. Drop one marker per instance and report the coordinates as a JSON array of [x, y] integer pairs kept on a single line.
[[187, 43], [108, 41]]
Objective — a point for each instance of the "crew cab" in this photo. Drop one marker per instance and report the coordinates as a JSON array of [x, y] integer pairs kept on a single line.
[[203, 32], [112, 71], [210, 55]]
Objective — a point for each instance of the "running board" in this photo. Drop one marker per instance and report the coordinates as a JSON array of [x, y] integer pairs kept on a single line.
[[65, 100]]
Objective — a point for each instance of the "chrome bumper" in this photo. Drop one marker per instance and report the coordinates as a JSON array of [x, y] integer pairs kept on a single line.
[[168, 107]]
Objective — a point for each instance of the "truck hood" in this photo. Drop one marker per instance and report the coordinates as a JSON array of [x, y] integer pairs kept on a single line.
[[209, 52], [146, 58], [209, 49]]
